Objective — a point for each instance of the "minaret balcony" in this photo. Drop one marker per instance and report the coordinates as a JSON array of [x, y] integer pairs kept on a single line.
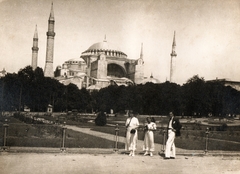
[[50, 33], [35, 48]]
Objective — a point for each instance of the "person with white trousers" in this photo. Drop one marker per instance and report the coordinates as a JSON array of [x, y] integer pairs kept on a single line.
[[173, 130], [131, 124], [148, 145]]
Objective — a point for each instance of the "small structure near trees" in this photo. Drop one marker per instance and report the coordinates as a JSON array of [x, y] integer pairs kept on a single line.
[[49, 109]]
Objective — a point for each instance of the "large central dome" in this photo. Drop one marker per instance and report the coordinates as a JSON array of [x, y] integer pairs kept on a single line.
[[109, 49], [103, 46]]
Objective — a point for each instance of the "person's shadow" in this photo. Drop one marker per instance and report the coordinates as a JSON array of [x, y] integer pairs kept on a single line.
[[161, 154]]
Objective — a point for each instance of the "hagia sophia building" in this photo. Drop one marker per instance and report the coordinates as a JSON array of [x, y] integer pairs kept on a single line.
[[101, 65]]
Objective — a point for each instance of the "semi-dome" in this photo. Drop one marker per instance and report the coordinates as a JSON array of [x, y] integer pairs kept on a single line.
[[75, 60], [150, 80]]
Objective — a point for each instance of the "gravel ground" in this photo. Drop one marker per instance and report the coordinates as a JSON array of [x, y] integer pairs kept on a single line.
[[51, 163]]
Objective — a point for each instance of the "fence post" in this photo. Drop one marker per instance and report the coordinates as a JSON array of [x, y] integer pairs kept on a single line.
[[206, 145], [164, 141], [116, 137], [5, 125], [63, 149]]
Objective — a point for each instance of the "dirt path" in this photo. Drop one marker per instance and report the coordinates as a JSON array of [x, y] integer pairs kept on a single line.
[[29, 163], [109, 136]]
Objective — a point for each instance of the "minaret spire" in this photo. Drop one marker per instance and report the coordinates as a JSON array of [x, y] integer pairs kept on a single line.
[[151, 75], [35, 33], [141, 54], [35, 49], [48, 71], [51, 16], [105, 38], [173, 56], [174, 46]]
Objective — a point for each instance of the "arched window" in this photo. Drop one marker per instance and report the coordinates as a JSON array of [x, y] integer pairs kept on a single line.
[[115, 70]]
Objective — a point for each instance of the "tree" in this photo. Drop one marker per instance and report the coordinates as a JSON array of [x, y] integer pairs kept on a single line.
[[11, 92], [195, 96], [215, 93]]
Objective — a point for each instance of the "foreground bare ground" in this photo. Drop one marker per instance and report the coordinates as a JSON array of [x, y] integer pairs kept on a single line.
[[51, 163]]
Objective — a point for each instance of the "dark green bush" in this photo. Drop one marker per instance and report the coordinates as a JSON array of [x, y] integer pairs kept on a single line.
[[101, 119], [223, 127]]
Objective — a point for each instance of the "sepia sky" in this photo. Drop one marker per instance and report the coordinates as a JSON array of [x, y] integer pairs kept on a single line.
[[207, 33]]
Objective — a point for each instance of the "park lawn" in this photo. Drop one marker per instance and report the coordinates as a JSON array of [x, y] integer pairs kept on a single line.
[[43, 135], [73, 140]]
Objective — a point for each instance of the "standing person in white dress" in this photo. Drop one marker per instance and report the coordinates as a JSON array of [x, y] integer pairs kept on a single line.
[[131, 124], [148, 145]]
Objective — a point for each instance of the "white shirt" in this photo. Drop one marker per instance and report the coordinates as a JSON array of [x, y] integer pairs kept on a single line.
[[170, 123], [152, 126], [134, 122]]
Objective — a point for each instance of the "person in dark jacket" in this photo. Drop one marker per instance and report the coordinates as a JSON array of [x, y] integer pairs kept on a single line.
[[173, 130]]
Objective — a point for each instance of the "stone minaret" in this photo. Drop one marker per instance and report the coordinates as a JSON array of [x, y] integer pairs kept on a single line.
[[141, 54], [35, 50], [139, 68], [173, 57], [48, 71]]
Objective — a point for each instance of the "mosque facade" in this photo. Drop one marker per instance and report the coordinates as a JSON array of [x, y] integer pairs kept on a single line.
[[106, 65], [101, 65]]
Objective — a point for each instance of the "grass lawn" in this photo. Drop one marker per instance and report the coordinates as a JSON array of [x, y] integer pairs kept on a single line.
[[73, 140], [42, 135]]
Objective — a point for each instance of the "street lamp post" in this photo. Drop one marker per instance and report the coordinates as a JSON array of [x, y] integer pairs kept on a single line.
[[207, 133], [20, 99], [5, 125], [63, 149], [116, 137], [164, 141], [2, 98]]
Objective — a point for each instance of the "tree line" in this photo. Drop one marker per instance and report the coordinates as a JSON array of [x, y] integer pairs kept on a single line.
[[196, 97]]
